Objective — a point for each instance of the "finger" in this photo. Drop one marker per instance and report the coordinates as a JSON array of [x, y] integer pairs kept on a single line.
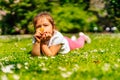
[[43, 36], [38, 39]]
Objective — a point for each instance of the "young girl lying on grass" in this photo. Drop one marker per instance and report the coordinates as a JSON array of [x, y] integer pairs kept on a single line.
[[48, 41]]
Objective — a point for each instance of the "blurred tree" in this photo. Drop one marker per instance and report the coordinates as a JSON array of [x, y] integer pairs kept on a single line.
[[69, 15], [19, 14], [73, 15], [73, 18], [113, 10], [107, 12]]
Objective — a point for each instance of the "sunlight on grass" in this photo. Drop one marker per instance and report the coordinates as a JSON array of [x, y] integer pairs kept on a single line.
[[99, 60]]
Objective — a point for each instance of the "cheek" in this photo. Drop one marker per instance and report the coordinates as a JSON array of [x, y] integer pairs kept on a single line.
[[49, 29]]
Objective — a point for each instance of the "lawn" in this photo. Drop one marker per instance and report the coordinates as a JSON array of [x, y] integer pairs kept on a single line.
[[99, 60]]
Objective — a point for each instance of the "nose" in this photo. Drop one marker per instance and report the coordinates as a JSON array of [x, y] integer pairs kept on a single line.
[[42, 26]]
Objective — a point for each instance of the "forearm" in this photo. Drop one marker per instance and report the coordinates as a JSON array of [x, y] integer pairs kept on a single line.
[[46, 50], [36, 49]]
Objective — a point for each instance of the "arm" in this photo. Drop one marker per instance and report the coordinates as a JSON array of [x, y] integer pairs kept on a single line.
[[36, 49], [50, 51], [36, 45]]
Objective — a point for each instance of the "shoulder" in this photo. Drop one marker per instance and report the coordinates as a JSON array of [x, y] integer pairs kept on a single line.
[[57, 38], [57, 34]]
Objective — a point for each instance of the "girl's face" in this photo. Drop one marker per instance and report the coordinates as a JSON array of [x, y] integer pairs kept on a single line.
[[45, 24]]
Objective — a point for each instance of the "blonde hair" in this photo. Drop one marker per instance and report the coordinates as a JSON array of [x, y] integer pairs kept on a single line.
[[46, 15]]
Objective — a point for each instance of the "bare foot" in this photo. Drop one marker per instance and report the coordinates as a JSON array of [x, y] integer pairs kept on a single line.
[[87, 38]]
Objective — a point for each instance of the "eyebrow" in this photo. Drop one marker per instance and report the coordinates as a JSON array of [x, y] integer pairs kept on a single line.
[[38, 25], [46, 23]]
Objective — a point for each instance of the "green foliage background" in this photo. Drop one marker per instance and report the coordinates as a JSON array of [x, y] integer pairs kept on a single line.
[[70, 15]]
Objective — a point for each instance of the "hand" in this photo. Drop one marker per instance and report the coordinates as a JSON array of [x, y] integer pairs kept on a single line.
[[38, 36], [46, 36]]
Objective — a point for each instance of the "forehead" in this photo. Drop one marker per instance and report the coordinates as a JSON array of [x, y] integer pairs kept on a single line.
[[42, 19]]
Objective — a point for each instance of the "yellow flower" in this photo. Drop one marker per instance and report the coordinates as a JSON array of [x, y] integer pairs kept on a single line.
[[42, 30]]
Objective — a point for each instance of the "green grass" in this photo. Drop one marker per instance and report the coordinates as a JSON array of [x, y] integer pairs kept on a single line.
[[99, 60]]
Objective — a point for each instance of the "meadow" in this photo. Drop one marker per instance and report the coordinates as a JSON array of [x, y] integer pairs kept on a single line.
[[99, 60]]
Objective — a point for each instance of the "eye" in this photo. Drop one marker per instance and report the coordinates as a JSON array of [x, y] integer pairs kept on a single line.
[[45, 25]]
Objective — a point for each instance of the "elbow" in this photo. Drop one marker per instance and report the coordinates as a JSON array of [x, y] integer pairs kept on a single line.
[[35, 53], [52, 54]]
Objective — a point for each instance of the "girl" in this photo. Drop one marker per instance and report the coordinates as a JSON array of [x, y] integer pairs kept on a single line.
[[48, 41]]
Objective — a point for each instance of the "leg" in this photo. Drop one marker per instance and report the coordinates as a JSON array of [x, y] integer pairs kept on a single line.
[[87, 38], [79, 43]]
